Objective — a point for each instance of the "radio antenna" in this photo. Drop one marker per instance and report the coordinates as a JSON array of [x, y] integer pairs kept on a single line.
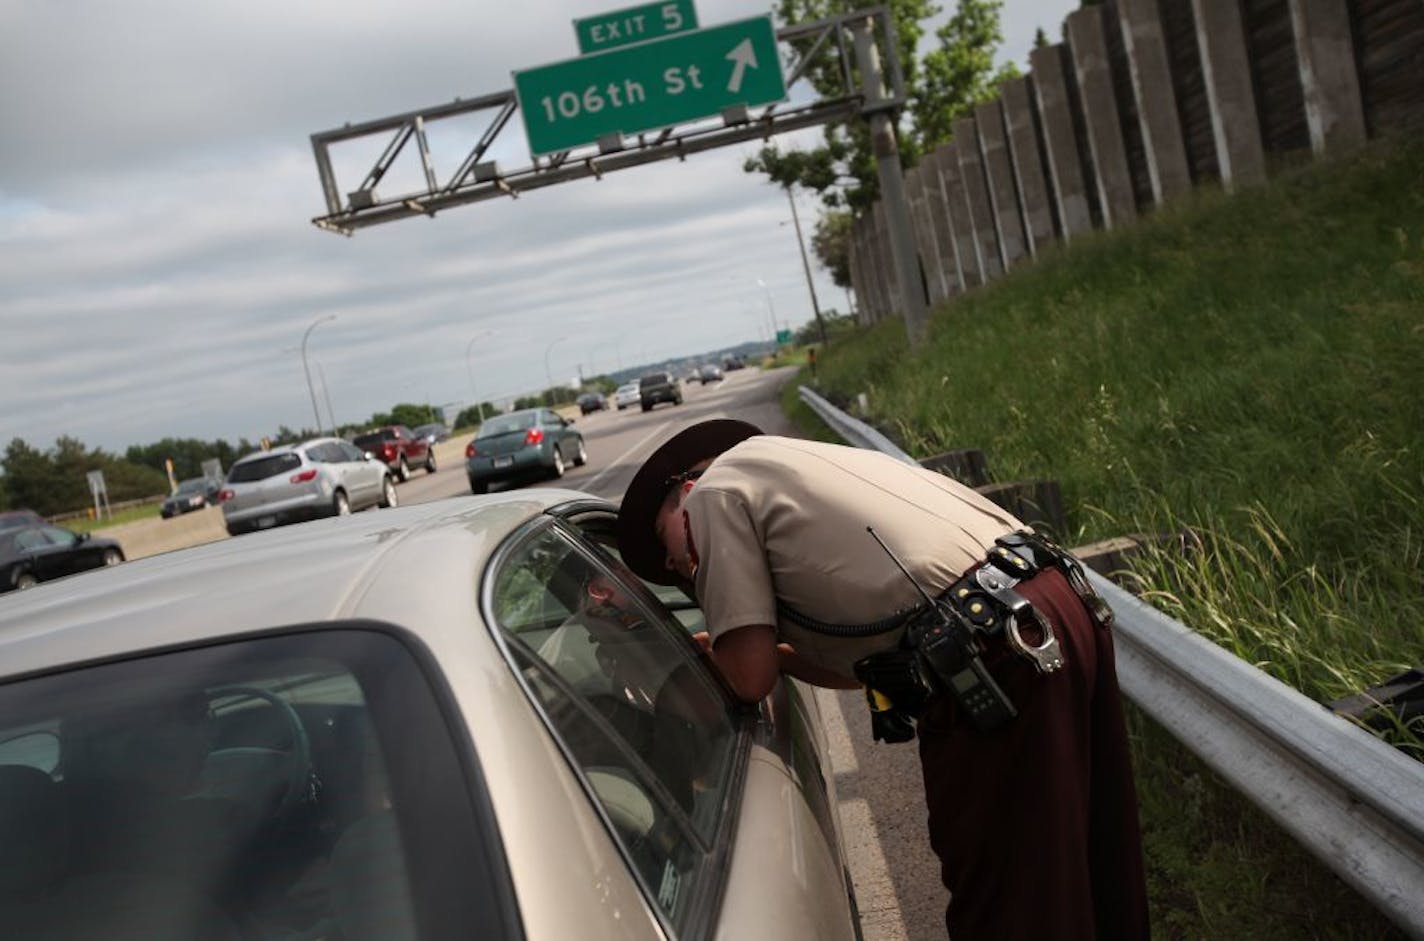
[[900, 565]]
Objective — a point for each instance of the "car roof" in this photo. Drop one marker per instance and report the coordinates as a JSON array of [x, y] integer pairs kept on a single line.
[[398, 564]]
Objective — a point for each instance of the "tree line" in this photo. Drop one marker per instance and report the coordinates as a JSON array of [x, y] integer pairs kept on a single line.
[[55, 480]]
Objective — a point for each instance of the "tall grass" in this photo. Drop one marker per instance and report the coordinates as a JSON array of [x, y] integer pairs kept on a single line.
[[1251, 367]]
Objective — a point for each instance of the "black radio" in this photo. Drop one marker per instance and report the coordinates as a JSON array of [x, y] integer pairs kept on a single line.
[[948, 645]]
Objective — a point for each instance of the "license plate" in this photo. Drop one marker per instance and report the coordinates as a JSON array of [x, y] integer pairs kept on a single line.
[[503, 461], [264, 522]]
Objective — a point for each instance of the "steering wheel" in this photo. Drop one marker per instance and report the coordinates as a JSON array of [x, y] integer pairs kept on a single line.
[[281, 779]]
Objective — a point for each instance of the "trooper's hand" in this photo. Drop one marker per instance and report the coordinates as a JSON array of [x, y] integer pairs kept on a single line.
[[704, 640]]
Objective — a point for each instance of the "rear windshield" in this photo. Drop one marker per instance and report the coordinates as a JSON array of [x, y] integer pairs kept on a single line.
[[374, 438], [192, 486], [175, 796], [260, 468], [507, 423], [656, 379]]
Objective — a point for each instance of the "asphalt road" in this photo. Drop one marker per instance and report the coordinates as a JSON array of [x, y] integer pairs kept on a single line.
[[878, 786]]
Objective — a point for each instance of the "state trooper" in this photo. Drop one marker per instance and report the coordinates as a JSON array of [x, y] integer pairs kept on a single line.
[[848, 569]]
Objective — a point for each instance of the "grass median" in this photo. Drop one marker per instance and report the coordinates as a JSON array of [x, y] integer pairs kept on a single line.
[[1251, 367]]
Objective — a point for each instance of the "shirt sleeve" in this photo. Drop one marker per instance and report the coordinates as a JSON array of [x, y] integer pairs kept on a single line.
[[733, 579]]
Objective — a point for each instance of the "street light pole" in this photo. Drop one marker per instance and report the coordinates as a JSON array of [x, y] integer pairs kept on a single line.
[[469, 348], [311, 389], [770, 306], [326, 394], [548, 374], [806, 264]]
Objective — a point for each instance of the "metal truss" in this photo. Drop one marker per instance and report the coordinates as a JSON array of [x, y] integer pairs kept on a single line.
[[823, 43]]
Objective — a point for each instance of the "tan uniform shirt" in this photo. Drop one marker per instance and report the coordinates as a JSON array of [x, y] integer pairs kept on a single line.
[[781, 518]]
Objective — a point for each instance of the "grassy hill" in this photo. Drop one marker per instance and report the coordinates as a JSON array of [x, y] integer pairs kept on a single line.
[[1248, 365]]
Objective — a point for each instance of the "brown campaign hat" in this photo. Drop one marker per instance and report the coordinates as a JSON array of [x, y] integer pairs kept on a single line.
[[637, 543]]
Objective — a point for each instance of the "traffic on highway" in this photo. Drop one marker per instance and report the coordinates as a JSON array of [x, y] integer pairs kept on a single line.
[[296, 782]]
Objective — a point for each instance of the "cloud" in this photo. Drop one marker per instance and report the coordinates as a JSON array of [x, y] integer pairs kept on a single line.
[[158, 267]]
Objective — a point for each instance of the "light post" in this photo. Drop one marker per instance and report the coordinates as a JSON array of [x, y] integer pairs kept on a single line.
[[548, 374], [307, 369], [326, 394], [806, 264], [770, 306], [469, 348]]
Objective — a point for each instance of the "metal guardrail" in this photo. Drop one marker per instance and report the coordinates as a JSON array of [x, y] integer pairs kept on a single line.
[[1350, 799]]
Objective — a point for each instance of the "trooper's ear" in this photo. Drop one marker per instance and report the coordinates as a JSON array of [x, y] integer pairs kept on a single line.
[[687, 486]]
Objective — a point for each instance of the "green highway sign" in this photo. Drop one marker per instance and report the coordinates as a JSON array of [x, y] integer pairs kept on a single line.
[[783, 336], [650, 85], [634, 24]]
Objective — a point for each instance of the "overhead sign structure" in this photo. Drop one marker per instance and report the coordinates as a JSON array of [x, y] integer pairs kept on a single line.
[[650, 85], [633, 25]]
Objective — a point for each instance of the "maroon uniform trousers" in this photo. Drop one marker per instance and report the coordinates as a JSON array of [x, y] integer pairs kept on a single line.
[[1035, 823]]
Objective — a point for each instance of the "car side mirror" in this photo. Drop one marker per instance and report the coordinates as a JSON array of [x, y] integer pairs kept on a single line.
[[81, 537], [367, 456]]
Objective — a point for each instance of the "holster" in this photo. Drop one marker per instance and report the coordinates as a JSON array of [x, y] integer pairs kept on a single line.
[[896, 691]]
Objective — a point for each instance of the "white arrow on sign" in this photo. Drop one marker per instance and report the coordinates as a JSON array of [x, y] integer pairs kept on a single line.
[[743, 57]]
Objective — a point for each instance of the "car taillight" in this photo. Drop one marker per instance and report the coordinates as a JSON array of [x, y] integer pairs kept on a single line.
[[470, 449], [304, 476], [389, 450], [534, 436], [225, 495]]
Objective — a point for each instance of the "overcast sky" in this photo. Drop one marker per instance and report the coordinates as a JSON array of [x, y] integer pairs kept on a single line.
[[158, 266]]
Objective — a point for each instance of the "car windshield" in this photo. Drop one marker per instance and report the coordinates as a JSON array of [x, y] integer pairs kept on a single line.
[[630, 387], [196, 485], [505, 424], [367, 441], [266, 784], [260, 468]]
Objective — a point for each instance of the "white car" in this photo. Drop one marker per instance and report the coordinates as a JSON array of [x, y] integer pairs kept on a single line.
[[321, 477], [626, 396], [462, 719]]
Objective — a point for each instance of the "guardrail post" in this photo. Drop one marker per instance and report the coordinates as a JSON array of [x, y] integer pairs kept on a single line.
[[1028, 165], [981, 214], [1226, 73], [1003, 199], [1156, 99]]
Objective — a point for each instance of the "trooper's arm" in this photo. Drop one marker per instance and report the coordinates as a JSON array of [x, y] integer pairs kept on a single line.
[[751, 660], [748, 659]]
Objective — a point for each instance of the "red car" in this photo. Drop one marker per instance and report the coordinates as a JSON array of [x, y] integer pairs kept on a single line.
[[399, 448]]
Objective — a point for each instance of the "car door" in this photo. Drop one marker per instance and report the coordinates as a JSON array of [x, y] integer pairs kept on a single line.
[[366, 475], [785, 748], [415, 447], [54, 552]]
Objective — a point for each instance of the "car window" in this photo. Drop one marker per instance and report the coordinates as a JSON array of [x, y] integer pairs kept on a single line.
[[277, 789], [29, 539], [505, 424], [194, 485], [349, 452], [58, 537], [261, 468], [623, 691]]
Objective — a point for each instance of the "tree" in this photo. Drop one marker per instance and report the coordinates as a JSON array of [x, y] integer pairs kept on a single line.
[[955, 74], [1040, 39], [959, 74], [471, 416], [831, 243], [29, 477], [842, 170]]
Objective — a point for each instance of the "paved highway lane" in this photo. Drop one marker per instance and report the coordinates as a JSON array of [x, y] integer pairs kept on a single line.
[[879, 787]]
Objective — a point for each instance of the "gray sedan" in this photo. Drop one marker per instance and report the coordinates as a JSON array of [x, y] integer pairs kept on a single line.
[[464, 719], [524, 444], [321, 477]]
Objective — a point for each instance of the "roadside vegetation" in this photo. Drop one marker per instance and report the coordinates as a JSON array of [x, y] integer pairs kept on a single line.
[[1248, 367]]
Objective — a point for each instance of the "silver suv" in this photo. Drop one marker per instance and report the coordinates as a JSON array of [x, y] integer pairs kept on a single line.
[[321, 477]]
